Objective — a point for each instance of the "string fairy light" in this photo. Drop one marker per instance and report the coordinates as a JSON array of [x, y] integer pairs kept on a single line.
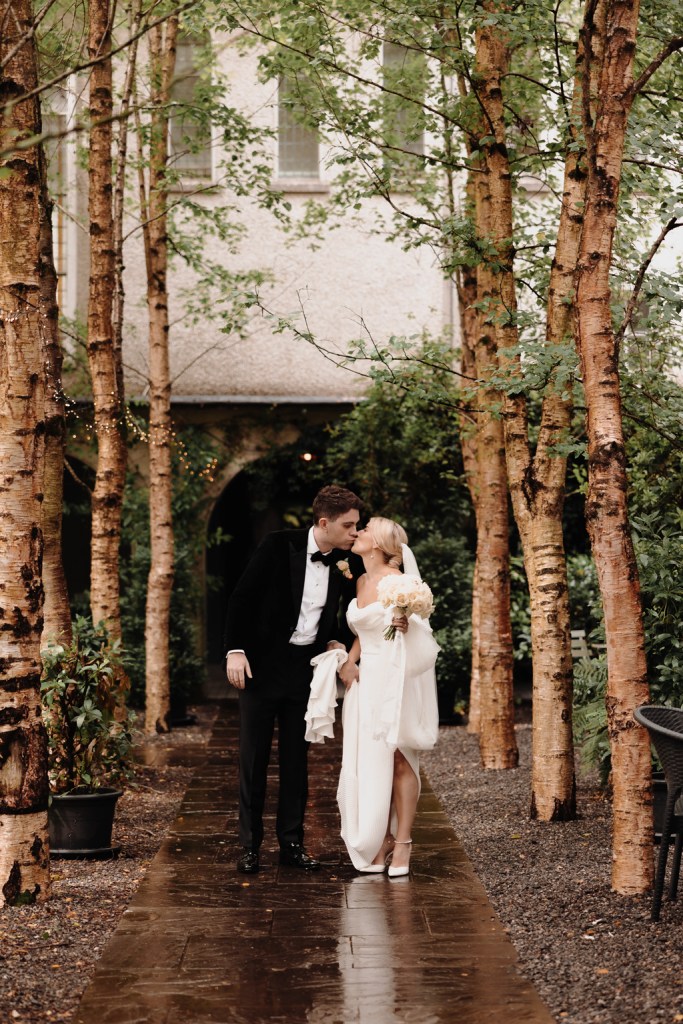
[[106, 421]]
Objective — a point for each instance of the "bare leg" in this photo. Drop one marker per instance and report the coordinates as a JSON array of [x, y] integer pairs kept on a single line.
[[387, 845], [405, 795]]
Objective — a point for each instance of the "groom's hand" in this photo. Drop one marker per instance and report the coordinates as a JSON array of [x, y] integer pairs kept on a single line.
[[236, 667]]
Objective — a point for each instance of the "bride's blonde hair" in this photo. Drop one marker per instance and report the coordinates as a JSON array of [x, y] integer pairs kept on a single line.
[[388, 536]]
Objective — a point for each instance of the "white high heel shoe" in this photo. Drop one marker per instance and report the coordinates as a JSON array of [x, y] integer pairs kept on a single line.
[[377, 869], [400, 872]]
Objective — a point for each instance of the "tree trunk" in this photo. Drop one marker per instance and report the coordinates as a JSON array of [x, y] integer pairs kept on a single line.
[[56, 612], [24, 860], [606, 505], [552, 772], [474, 711], [160, 582], [536, 484], [497, 742], [105, 369], [469, 330], [118, 204]]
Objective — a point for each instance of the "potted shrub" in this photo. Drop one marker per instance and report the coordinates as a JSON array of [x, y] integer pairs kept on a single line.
[[89, 739]]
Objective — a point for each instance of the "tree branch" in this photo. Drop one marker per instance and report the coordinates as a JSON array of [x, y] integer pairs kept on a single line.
[[72, 472], [28, 35], [671, 47], [91, 63], [640, 277]]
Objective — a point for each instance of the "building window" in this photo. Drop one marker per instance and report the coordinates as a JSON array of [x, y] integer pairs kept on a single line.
[[297, 141], [190, 132], [403, 74]]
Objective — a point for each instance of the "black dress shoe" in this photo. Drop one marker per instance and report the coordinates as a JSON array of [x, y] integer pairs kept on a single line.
[[294, 856], [248, 863]]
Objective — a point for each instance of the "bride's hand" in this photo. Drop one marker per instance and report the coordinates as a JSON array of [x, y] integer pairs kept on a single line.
[[400, 623], [348, 673]]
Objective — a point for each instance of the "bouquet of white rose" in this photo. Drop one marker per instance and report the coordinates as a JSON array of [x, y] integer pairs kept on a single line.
[[405, 595]]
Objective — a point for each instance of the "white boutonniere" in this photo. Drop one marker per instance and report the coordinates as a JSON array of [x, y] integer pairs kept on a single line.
[[344, 569]]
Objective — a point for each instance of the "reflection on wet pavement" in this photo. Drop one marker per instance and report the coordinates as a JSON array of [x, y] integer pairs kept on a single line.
[[201, 944]]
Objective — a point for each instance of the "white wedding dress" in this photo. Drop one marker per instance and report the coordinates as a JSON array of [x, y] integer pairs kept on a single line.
[[393, 705]]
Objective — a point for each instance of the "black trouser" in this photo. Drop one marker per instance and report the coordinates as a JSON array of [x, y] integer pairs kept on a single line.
[[278, 693]]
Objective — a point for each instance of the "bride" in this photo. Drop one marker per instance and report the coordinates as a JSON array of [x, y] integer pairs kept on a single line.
[[379, 785]]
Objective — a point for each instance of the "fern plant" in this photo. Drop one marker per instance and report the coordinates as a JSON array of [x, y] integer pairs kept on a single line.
[[590, 715]]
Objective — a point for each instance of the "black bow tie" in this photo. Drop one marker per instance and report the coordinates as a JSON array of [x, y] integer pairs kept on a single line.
[[318, 556]]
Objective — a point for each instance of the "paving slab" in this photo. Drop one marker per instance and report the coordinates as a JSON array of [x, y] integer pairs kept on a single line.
[[202, 944]]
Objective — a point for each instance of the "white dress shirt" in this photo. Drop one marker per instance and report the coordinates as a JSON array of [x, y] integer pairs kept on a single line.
[[314, 596]]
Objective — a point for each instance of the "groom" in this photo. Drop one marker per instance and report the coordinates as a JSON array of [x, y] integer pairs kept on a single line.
[[288, 606]]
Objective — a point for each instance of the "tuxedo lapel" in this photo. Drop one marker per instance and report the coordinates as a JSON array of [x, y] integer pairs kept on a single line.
[[297, 570], [331, 606]]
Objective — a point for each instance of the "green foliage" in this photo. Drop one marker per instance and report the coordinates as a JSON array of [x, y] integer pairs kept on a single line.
[[585, 606], [194, 458], [590, 715], [653, 400], [88, 727], [446, 562], [520, 612], [653, 408], [401, 445], [401, 452], [659, 549]]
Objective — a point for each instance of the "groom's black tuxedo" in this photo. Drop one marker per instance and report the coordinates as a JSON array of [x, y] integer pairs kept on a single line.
[[263, 611], [264, 606]]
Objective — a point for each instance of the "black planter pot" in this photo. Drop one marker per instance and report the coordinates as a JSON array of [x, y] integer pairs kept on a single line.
[[81, 822]]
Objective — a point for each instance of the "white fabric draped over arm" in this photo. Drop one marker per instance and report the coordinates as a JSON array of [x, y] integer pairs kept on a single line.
[[323, 699], [408, 715]]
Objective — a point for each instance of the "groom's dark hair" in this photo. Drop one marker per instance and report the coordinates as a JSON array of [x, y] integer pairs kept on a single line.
[[332, 501]]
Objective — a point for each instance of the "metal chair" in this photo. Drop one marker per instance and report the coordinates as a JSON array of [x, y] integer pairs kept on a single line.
[[665, 726]]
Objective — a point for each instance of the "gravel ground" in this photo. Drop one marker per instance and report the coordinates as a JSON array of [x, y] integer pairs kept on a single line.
[[48, 952], [595, 957]]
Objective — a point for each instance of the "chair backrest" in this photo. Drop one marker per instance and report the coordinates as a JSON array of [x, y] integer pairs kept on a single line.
[[579, 646], [665, 726]]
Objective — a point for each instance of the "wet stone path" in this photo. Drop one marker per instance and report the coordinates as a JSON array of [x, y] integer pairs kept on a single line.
[[202, 944]]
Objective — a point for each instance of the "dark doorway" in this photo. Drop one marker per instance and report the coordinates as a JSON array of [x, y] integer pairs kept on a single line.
[[76, 529], [273, 493], [244, 527]]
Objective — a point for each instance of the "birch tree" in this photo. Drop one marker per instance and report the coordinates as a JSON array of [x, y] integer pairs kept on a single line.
[[497, 742], [57, 611], [24, 861], [154, 212], [611, 47], [103, 357], [537, 478]]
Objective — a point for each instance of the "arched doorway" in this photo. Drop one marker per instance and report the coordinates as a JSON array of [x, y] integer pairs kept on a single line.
[[272, 493], [243, 527]]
